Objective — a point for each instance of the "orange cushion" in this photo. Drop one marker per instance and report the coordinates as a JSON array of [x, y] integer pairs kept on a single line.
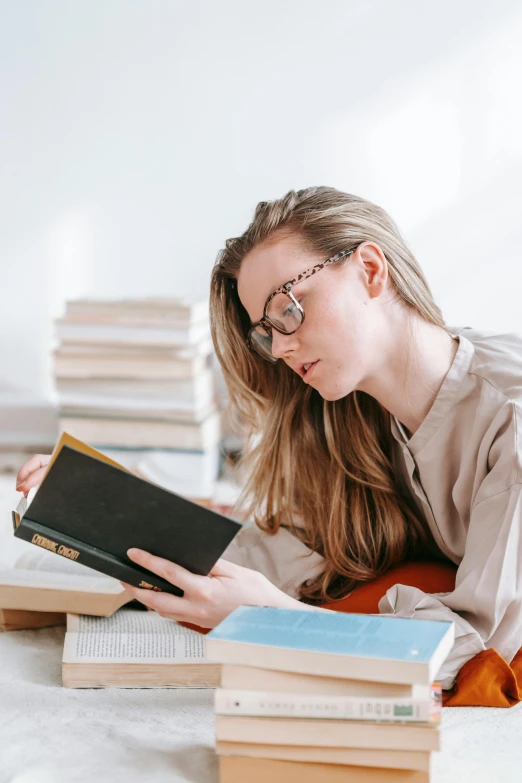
[[430, 577]]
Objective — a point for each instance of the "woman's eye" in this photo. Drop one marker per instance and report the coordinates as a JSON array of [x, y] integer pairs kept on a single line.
[[292, 309]]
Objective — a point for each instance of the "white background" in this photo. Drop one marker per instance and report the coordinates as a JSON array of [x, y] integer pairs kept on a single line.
[[137, 135]]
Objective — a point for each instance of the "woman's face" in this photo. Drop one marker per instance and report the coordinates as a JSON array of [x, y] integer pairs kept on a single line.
[[342, 305]]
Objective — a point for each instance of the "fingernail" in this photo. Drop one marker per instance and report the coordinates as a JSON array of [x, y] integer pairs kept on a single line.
[[132, 551]]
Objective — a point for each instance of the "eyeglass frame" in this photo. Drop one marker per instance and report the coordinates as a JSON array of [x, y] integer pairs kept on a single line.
[[286, 289]]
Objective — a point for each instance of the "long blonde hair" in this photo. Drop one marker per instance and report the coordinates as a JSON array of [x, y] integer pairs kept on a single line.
[[327, 463]]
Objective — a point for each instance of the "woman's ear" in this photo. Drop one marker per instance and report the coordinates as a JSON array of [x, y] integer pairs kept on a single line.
[[375, 268]]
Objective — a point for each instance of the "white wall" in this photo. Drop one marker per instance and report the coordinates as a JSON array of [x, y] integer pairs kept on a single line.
[[135, 136]]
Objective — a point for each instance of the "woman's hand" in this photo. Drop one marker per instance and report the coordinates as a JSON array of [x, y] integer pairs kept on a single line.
[[31, 474], [207, 600]]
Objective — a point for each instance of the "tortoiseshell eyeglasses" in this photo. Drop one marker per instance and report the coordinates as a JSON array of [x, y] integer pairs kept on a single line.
[[283, 312]]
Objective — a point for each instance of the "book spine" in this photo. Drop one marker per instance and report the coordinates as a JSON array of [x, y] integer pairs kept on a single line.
[[86, 554], [296, 705]]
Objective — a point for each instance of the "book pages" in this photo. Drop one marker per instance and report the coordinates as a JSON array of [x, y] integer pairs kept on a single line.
[[131, 636]]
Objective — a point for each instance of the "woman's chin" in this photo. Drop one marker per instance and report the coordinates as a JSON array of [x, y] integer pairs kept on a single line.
[[332, 395]]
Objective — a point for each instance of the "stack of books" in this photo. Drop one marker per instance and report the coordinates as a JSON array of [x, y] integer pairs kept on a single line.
[[320, 695], [134, 377]]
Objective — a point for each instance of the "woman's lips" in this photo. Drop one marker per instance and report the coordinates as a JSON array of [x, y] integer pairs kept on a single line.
[[310, 370]]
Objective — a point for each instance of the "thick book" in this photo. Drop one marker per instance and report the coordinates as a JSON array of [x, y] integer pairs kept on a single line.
[[185, 394], [117, 431], [203, 348], [309, 705], [133, 334], [91, 510], [380, 648], [328, 733], [157, 310], [41, 588], [250, 678], [190, 395], [134, 649], [358, 757], [73, 364], [239, 769]]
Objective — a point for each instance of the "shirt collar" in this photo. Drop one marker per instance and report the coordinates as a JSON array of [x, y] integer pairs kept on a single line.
[[444, 401]]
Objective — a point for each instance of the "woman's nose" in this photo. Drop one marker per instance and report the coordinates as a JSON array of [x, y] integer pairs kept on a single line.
[[282, 344]]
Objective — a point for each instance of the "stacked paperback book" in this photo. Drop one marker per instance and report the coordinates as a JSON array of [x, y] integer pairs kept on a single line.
[[319, 695], [134, 377], [41, 588]]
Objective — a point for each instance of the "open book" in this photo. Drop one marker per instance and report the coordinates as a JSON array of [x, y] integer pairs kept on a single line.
[[41, 588], [134, 649]]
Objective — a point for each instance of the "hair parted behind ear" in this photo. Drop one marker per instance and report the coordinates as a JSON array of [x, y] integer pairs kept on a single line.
[[325, 464]]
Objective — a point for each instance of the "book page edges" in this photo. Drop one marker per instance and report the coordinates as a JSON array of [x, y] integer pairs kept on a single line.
[[69, 440]]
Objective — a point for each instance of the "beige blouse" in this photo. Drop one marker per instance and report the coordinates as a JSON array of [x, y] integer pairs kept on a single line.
[[462, 469]]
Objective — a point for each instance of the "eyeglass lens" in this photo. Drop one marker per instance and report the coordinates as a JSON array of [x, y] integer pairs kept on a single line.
[[283, 313]]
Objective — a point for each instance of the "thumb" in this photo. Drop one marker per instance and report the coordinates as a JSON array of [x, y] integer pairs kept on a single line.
[[223, 567]]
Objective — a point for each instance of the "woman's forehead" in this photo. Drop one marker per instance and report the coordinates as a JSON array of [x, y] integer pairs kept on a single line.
[[268, 266]]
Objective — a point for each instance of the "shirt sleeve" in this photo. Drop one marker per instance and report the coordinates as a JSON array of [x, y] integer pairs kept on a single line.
[[282, 557], [486, 605]]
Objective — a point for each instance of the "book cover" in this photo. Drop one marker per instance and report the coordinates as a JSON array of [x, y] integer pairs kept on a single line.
[[90, 510], [372, 647]]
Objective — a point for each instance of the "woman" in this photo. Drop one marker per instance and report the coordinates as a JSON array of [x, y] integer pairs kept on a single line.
[[381, 433]]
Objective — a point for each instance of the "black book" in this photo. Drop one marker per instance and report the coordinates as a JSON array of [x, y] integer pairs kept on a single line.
[[90, 509]]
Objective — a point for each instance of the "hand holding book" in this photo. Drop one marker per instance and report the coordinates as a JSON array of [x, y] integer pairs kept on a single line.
[[90, 509], [207, 600], [31, 474]]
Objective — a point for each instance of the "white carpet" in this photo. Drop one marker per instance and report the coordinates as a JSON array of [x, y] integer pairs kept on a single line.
[[49, 734]]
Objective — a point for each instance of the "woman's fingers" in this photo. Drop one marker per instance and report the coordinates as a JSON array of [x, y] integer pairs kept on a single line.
[[160, 602], [173, 573], [33, 469], [34, 480]]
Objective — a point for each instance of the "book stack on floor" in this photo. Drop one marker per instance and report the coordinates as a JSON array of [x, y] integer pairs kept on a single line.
[[134, 377], [319, 695]]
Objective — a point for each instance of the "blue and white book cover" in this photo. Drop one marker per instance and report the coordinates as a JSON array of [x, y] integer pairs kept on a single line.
[[365, 636]]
